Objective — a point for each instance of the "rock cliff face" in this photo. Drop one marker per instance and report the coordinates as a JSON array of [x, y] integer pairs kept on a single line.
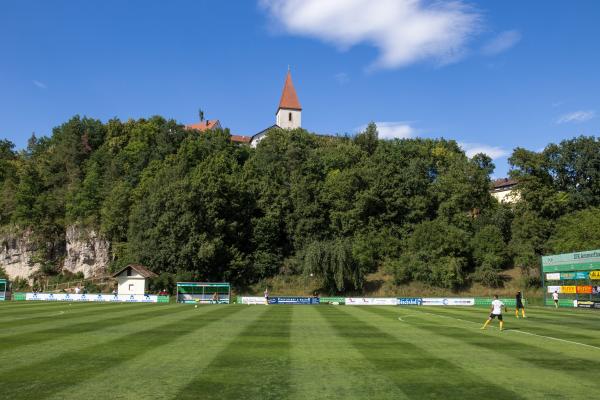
[[85, 251], [16, 255]]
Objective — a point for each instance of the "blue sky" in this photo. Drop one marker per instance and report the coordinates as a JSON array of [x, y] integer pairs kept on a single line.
[[491, 74]]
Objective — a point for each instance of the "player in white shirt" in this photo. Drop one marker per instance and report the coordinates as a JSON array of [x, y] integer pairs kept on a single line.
[[555, 298], [496, 311]]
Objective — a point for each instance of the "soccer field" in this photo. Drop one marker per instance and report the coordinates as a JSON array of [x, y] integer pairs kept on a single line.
[[150, 351]]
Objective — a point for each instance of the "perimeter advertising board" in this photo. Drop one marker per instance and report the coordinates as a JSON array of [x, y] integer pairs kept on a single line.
[[553, 276], [584, 290], [564, 276], [410, 301], [93, 297], [371, 301], [251, 300], [568, 289], [588, 304], [443, 301], [332, 300], [552, 289], [294, 300]]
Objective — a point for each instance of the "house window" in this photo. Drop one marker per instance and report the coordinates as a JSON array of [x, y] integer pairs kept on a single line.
[[289, 116], [128, 271]]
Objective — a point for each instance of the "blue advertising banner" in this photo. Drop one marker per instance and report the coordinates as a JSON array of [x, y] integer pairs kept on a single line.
[[410, 301], [294, 300]]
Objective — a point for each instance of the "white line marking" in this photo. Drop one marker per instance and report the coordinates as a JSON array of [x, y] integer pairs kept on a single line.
[[405, 316], [515, 331], [560, 340]]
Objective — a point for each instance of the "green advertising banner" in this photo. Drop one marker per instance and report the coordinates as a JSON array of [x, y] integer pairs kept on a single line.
[[18, 296], [330, 300], [487, 301], [580, 261], [162, 299]]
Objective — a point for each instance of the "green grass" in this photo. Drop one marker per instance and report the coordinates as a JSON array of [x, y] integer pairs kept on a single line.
[[150, 351]]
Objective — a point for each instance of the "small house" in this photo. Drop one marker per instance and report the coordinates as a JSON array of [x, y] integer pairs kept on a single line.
[[132, 279]]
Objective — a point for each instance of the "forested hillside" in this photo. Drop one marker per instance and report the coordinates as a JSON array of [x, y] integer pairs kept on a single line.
[[198, 206]]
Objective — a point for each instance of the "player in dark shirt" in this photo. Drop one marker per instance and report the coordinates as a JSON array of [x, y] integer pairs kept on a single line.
[[519, 305]]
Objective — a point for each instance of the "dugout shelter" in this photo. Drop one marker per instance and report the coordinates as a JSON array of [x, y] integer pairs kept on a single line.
[[575, 276], [203, 292]]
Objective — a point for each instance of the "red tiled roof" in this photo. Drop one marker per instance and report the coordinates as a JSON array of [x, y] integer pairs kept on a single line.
[[289, 98], [240, 139], [204, 125]]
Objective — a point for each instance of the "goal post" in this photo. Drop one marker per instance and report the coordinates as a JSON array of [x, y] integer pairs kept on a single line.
[[203, 292]]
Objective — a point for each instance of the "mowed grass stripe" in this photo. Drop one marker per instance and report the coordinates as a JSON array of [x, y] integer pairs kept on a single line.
[[324, 366], [492, 358], [163, 371], [64, 314], [418, 373], [96, 333], [93, 322], [8, 308], [44, 379], [255, 364], [19, 311], [567, 329], [536, 350]]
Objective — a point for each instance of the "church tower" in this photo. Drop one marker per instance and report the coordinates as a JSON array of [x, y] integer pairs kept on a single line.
[[289, 112]]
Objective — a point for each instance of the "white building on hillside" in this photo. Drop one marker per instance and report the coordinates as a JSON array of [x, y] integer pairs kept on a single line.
[[132, 279], [505, 190]]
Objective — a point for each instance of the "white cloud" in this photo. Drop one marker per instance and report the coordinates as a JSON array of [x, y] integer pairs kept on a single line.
[[392, 130], [39, 84], [404, 31], [342, 78], [502, 42], [576, 116], [493, 152]]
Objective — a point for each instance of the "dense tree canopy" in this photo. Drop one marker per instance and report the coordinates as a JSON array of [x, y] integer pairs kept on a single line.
[[338, 208]]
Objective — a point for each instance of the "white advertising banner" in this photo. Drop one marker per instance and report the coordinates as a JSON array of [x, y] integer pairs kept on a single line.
[[94, 297], [371, 301], [553, 276], [448, 301], [552, 289], [253, 300]]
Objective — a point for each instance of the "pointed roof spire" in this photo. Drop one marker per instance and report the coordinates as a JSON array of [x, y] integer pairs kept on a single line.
[[289, 98]]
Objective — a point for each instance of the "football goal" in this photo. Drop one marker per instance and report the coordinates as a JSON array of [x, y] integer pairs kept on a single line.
[[3, 289], [203, 292]]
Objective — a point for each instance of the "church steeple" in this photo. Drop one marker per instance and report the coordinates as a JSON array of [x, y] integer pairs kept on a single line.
[[289, 112]]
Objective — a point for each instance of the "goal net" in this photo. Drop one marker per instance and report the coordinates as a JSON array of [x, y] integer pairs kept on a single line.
[[203, 292]]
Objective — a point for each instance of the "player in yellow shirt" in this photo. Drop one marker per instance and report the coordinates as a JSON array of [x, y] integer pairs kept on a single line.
[[519, 305]]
